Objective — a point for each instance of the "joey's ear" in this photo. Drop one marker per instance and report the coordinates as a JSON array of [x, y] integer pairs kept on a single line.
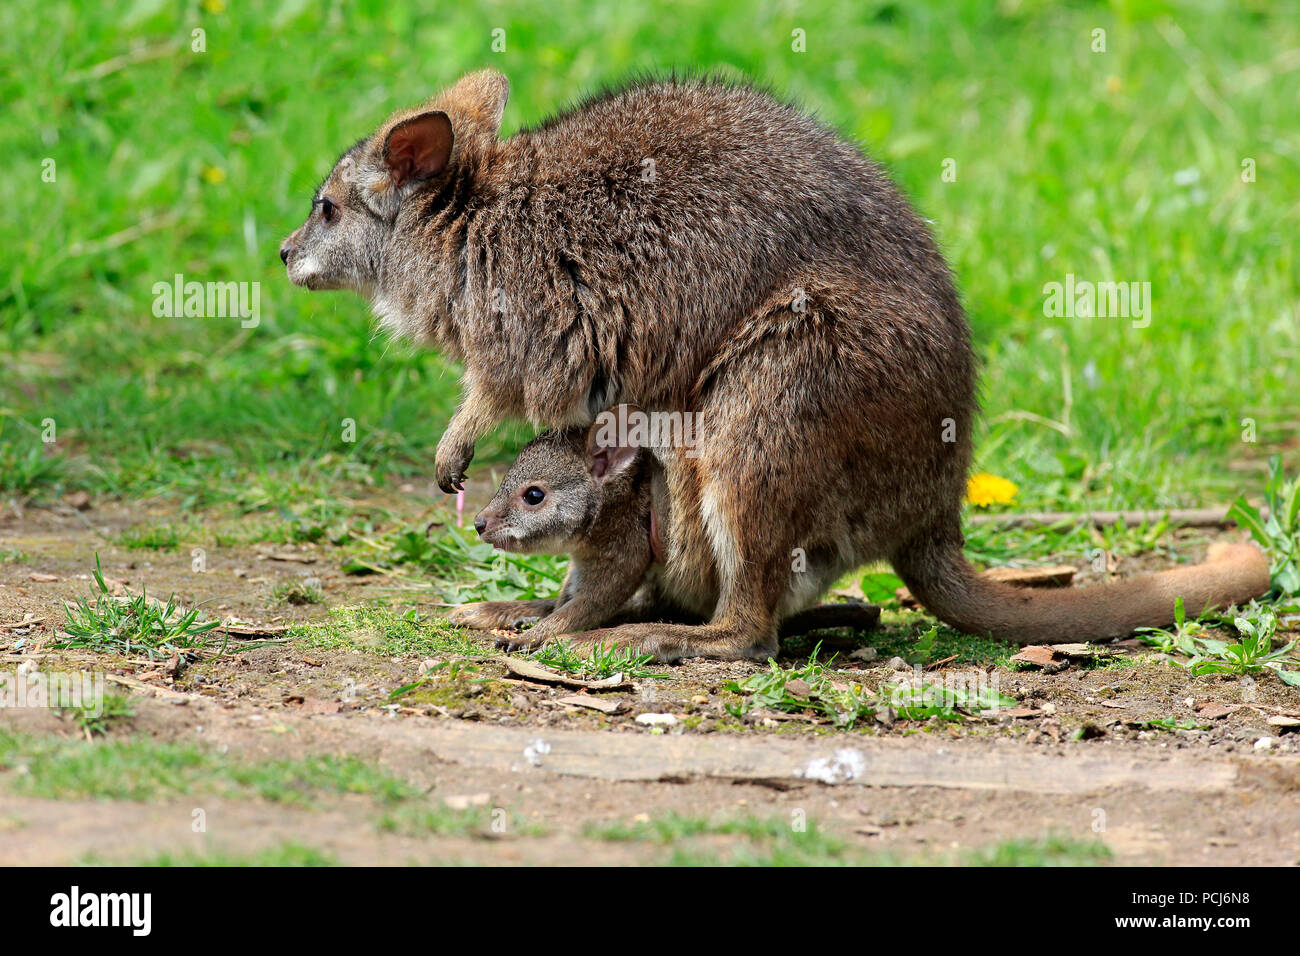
[[605, 456], [418, 148]]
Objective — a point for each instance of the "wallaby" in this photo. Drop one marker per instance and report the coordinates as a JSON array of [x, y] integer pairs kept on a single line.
[[694, 246], [567, 493]]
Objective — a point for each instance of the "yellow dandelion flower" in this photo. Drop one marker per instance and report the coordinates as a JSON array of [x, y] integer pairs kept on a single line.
[[984, 489], [214, 6], [214, 175]]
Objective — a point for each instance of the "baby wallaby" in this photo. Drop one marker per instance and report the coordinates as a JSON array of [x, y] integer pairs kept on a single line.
[[569, 493], [566, 494]]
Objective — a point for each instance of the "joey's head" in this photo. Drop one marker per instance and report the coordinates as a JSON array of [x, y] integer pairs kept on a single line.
[[349, 234], [554, 495]]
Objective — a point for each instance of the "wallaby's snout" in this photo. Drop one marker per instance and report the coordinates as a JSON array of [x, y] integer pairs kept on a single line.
[[480, 524], [285, 251]]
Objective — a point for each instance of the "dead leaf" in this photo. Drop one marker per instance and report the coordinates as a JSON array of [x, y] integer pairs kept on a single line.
[[290, 556], [1081, 650], [1038, 655], [594, 703], [316, 705], [798, 688], [175, 664], [41, 578], [1056, 576], [1019, 712], [528, 670], [29, 620], [1213, 711]]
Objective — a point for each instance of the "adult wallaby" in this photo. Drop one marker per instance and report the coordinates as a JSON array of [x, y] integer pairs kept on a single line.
[[696, 246]]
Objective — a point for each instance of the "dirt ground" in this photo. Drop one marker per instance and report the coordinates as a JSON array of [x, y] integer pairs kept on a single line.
[[1125, 754]]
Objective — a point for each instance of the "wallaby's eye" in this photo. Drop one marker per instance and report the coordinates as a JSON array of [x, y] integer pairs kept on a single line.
[[327, 209], [534, 495]]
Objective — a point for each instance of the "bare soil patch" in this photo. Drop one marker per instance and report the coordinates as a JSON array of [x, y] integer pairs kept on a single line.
[[1128, 752]]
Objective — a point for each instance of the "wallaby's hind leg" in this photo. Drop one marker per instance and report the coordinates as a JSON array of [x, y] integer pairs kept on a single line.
[[753, 572], [487, 615], [854, 614], [669, 641]]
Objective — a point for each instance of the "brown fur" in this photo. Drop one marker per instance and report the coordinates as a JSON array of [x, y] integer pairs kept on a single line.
[[767, 277]]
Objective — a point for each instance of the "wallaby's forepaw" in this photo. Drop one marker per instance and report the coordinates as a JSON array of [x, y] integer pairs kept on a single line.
[[486, 615], [450, 465]]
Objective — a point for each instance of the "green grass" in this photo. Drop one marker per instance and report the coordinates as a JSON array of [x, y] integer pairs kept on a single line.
[[456, 565], [1043, 851], [816, 690], [595, 663], [1124, 165], [438, 820], [755, 841], [380, 631], [297, 593], [142, 769], [113, 710], [285, 854], [132, 623]]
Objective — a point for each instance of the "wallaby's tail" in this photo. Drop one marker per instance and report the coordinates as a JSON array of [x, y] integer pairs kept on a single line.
[[938, 575]]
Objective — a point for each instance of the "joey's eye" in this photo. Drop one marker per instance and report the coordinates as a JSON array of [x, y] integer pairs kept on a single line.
[[327, 209], [534, 495]]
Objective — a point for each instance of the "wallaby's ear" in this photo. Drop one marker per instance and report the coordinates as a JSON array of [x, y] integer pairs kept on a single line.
[[606, 456], [418, 148], [480, 96]]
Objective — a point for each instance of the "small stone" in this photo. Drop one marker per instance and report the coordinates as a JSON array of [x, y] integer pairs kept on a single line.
[[898, 664], [467, 800], [656, 720], [864, 654], [1264, 743], [79, 500], [798, 687]]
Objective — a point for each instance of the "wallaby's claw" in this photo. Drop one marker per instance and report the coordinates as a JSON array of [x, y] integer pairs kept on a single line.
[[518, 642], [450, 465]]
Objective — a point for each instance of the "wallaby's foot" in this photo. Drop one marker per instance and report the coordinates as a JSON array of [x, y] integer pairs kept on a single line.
[[671, 642], [486, 615], [854, 614]]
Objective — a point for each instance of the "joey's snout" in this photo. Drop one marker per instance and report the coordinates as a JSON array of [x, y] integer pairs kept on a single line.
[[488, 524]]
